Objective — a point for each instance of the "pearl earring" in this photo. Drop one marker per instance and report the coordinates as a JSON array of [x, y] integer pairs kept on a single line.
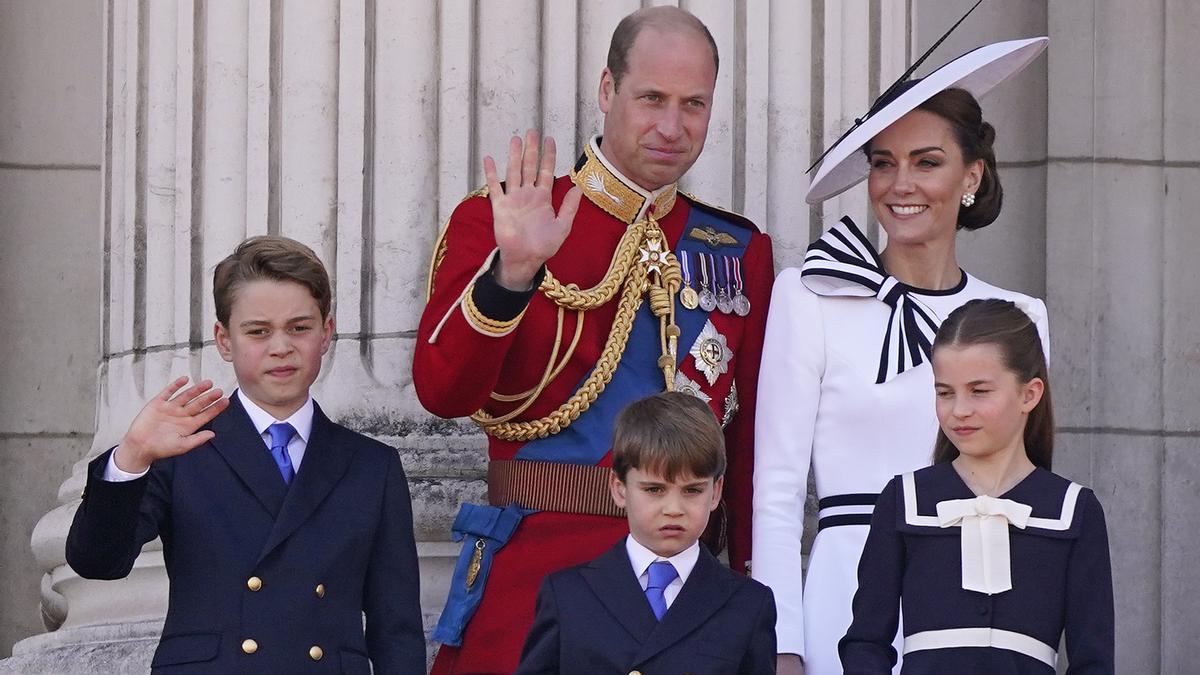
[[968, 199]]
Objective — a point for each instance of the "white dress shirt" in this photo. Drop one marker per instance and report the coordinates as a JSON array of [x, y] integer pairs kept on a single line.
[[301, 421], [641, 557]]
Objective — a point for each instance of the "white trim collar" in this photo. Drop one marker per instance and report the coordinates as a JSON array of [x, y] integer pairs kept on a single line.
[[1060, 524]]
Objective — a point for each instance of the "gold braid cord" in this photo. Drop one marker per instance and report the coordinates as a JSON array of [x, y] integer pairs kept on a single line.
[[655, 273], [571, 296]]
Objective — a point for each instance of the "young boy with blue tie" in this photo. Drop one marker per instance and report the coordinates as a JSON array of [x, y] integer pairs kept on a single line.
[[658, 601], [280, 528]]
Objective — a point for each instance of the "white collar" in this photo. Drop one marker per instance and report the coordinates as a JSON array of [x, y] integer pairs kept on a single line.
[[640, 558], [301, 420]]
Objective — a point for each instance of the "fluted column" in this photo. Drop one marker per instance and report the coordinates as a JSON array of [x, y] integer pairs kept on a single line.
[[1121, 271], [356, 126]]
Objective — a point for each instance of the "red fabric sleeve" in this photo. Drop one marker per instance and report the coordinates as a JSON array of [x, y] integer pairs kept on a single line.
[[455, 371], [758, 271]]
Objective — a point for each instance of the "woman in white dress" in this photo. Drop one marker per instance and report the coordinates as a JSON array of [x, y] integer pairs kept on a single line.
[[848, 391]]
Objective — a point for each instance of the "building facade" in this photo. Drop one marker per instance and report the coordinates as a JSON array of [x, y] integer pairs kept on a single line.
[[140, 141]]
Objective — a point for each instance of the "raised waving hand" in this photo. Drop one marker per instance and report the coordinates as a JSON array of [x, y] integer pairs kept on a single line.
[[528, 231], [168, 425]]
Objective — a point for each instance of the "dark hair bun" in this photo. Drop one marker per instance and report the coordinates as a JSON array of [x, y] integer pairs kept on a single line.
[[975, 137]]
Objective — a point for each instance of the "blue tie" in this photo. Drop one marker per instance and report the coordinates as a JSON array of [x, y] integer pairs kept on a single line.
[[281, 435], [659, 576]]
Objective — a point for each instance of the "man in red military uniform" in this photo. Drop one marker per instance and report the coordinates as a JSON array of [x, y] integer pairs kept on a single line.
[[555, 302]]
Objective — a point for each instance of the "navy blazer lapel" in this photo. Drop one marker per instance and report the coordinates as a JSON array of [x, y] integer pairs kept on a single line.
[[705, 592], [612, 580], [326, 458], [245, 452]]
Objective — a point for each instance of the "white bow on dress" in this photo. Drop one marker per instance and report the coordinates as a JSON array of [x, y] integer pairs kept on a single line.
[[986, 563]]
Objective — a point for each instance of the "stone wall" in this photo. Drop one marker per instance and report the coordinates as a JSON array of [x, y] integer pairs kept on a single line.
[[1121, 242], [139, 141], [50, 121]]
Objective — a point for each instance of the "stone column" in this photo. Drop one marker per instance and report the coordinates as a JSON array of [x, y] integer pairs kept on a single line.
[[1011, 251], [49, 272], [225, 120], [1121, 201], [356, 126]]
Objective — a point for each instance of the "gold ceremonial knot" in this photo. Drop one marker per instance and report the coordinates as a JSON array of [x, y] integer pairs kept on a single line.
[[643, 268]]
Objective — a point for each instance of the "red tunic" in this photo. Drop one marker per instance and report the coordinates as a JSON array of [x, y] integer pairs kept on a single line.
[[455, 373]]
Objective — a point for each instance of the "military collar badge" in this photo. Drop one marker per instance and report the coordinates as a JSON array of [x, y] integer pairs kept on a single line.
[[621, 198], [712, 237]]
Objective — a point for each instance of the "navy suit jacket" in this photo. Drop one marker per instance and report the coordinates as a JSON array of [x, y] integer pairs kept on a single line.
[[250, 558], [594, 618]]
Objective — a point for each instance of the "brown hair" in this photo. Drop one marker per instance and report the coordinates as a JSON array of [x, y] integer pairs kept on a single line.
[[273, 258], [975, 138], [1009, 329], [666, 19], [671, 434]]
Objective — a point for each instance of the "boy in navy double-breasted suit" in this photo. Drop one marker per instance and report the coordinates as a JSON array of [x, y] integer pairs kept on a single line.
[[280, 528], [658, 601]]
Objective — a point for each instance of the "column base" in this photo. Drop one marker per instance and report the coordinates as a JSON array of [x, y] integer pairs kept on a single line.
[[121, 648], [115, 648]]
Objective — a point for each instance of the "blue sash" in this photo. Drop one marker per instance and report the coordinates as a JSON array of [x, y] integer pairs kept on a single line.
[[483, 531], [488, 528], [637, 376]]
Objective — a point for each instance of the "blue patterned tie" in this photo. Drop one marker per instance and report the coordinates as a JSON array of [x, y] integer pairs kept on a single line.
[[659, 576], [281, 435]]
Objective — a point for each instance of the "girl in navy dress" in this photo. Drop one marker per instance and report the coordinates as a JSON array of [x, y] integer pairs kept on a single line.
[[994, 556]]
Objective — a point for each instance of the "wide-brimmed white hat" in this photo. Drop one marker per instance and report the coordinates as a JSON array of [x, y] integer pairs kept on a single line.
[[978, 71]]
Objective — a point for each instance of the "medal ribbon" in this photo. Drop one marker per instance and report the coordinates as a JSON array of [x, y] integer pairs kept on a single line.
[[637, 375]]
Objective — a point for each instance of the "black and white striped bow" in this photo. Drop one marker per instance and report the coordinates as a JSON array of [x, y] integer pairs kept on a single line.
[[843, 262]]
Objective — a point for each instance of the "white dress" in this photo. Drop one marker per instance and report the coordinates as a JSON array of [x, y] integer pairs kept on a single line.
[[819, 406]]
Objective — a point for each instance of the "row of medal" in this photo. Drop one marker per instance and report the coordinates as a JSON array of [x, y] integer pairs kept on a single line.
[[712, 282]]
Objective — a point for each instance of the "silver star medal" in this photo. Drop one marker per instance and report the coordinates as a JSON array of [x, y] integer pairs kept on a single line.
[[711, 352], [689, 386], [652, 255]]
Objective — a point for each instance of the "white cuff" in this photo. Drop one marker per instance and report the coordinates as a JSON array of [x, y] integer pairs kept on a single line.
[[114, 474]]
